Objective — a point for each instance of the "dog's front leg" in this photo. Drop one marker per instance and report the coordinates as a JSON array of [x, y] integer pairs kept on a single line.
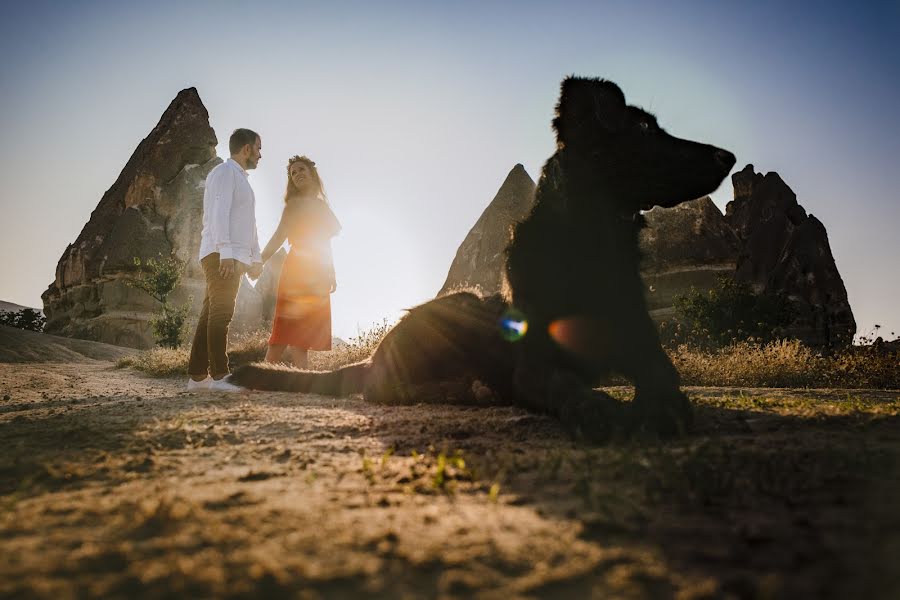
[[586, 413], [659, 405]]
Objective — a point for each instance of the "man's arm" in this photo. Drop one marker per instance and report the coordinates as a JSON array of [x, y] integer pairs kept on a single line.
[[222, 194], [222, 191]]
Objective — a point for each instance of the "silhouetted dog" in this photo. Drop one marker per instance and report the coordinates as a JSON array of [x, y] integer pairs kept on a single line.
[[574, 308]]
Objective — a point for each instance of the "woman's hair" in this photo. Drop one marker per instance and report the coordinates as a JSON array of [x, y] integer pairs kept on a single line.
[[292, 189]]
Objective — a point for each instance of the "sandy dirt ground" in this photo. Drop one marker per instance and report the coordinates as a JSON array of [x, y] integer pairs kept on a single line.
[[114, 484]]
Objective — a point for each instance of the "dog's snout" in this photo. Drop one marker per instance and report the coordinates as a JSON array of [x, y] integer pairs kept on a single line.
[[725, 158]]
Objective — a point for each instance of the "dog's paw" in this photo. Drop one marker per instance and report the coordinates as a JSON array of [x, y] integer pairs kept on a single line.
[[595, 419], [482, 393], [666, 414], [589, 414]]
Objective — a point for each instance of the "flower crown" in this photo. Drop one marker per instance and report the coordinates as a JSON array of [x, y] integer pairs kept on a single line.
[[304, 159]]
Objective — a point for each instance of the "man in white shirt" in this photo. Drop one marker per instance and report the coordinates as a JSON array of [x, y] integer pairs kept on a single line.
[[229, 247]]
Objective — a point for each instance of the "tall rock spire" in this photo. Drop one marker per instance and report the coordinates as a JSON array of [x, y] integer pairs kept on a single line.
[[154, 207], [480, 258], [786, 250]]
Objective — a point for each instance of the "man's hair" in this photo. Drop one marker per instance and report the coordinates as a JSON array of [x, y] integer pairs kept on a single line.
[[240, 138]]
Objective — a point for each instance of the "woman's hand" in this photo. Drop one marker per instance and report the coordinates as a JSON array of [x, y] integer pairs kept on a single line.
[[255, 271]]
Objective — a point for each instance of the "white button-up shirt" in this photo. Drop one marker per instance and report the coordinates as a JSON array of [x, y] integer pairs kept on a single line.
[[229, 215]]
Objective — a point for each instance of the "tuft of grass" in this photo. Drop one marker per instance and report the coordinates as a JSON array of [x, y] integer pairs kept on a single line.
[[357, 348], [367, 468], [161, 362], [494, 492], [447, 469]]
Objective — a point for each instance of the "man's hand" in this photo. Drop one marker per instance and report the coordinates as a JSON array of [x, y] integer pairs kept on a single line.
[[255, 271], [226, 267]]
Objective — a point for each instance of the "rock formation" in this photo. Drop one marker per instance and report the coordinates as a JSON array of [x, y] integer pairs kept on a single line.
[[785, 250], [687, 246], [153, 208], [479, 259], [765, 239]]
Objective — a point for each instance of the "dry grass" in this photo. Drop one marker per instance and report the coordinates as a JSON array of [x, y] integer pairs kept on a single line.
[[251, 347], [787, 363], [161, 362], [743, 364]]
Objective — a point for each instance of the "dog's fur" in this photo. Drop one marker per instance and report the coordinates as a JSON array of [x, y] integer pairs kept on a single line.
[[571, 273]]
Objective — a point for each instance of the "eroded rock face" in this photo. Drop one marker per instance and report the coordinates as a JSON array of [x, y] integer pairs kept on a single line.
[[765, 239], [785, 250], [479, 259], [687, 246], [153, 208]]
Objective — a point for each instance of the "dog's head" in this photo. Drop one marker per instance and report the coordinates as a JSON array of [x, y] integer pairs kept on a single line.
[[625, 152]]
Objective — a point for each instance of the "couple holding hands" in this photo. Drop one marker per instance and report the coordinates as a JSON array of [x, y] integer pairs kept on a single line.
[[229, 248]]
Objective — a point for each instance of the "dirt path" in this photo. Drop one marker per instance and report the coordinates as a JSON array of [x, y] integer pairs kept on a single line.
[[113, 484]]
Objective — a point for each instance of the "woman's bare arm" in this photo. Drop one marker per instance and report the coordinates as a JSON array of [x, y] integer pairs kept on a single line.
[[277, 239]]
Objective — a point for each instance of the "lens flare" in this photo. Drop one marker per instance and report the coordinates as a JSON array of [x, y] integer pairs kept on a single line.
[[584, 337], [513, 325]]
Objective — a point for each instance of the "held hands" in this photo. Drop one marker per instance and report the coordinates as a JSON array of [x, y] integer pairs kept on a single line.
[[255, 271]]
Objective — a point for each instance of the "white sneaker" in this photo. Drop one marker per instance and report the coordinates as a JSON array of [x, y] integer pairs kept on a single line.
[[195, 386], [223, 385]]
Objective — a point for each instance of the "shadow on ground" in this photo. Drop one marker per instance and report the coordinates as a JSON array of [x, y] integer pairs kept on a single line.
[[777, 493]]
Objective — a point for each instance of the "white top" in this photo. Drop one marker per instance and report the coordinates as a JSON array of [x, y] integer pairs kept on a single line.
[[229, 215]]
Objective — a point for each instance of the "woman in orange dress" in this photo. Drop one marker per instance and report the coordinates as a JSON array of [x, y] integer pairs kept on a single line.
[[303, 304]]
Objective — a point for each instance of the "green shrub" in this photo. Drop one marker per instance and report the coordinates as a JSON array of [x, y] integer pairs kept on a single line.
[[730, 312], [158, 277], [27, 318], [168, 325]]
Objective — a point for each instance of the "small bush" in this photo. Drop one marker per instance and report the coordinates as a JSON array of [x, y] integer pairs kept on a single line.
[[27, 318], [158, 277], [730, 312], [168, 325]]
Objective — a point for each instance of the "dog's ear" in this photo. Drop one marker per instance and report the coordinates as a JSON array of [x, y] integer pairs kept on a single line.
[[586, 106]]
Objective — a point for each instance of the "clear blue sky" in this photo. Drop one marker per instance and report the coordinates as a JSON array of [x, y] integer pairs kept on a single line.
[[415, 112]]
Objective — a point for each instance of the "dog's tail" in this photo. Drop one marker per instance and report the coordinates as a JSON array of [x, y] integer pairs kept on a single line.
[[270, 377]]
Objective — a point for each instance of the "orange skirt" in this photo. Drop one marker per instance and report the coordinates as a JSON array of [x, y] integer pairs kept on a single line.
[[301, 320]]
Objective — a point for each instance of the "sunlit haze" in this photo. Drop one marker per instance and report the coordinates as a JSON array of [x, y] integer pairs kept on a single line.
[[416, 112]]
